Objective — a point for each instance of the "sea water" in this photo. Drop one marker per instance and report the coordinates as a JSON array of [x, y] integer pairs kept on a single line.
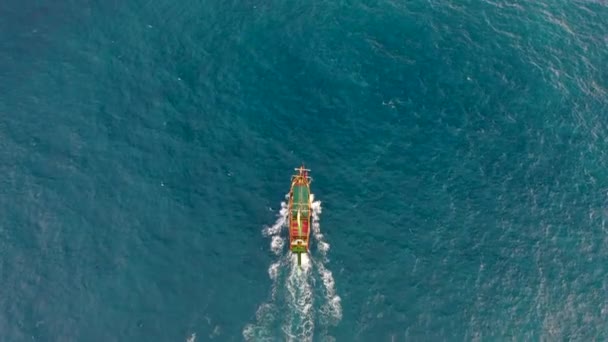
[[458, 150]]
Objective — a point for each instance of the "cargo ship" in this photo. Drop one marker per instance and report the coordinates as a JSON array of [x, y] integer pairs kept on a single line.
[[300, 212]]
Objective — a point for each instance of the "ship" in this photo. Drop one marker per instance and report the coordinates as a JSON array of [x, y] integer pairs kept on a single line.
[[300, 212]]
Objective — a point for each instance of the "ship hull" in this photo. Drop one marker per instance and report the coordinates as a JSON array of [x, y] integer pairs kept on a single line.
[[300, 213]]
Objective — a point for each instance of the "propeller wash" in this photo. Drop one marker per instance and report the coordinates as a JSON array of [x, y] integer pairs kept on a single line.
[[303, 294]]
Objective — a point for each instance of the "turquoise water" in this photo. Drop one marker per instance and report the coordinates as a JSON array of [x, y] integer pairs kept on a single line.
[[458, 151]]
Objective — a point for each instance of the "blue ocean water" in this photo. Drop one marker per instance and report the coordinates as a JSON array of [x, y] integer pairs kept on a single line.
[[458, 151]]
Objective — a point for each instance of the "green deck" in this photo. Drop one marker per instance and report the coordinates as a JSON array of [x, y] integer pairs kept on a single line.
[[298, 249], [300, 200]]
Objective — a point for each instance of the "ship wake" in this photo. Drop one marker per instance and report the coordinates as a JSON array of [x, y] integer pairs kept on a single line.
[[297, 304]]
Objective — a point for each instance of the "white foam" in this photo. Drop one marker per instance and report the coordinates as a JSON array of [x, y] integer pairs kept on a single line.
[[316, 206], [277, 244], [332, 306], [294, 282], [191, 338], [273, 271], [279, 223], [300, 323], [265, 315], [323, 246]]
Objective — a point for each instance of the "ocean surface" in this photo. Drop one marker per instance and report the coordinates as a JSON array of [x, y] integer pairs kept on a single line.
[[459, 151]]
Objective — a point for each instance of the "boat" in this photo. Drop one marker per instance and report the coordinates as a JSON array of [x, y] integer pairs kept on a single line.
[[300, 212]]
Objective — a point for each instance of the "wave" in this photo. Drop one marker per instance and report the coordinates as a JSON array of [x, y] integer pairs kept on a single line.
[[295, 306]]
